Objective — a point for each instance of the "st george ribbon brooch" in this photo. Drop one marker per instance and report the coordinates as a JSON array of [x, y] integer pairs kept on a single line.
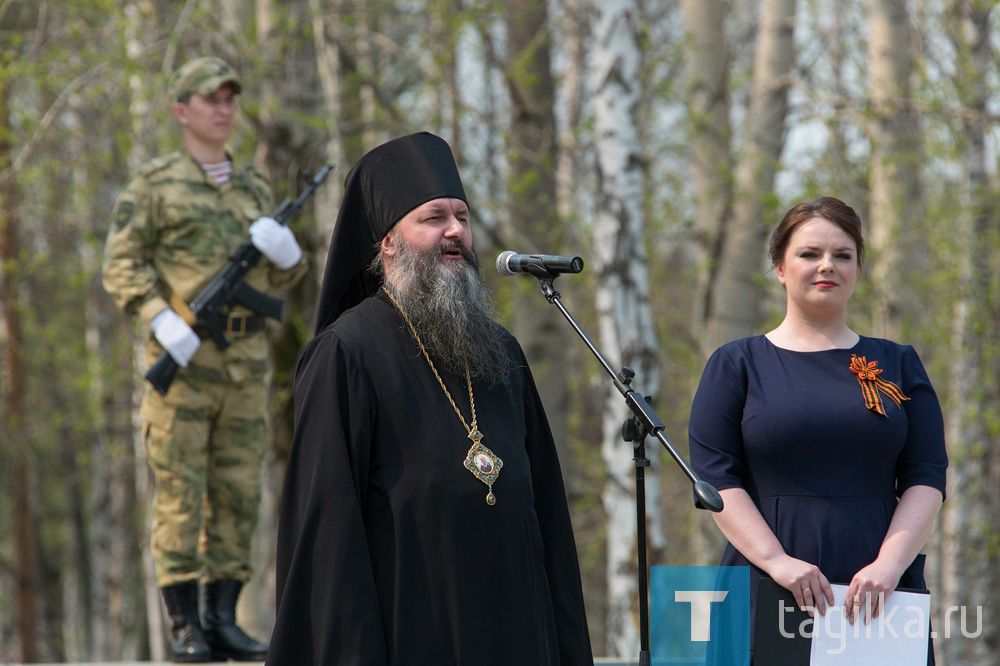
[[483, 463], [871, 385]]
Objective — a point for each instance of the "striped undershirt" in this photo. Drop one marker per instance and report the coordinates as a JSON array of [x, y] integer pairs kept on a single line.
[[220, 172]]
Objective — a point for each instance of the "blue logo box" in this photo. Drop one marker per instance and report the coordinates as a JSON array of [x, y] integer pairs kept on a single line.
[[699, 615]]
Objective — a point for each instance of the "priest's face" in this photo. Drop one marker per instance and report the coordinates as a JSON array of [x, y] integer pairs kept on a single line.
[[441, 225], [448, 303]]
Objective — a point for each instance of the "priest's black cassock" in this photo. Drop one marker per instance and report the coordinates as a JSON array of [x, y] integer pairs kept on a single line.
[[388, 552]]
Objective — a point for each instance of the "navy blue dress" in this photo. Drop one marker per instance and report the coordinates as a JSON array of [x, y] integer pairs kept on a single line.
[[793, 430]]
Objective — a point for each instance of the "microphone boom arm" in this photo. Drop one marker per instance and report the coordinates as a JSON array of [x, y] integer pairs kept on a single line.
[[645, 415], [644, 422]]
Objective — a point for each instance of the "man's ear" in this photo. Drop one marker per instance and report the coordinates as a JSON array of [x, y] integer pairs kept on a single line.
[[387, 246], [180, 110]]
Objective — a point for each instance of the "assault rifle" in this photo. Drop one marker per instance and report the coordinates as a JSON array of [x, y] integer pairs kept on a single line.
[[208, 310]]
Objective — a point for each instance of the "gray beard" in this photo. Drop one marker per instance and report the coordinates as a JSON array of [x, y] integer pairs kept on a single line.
[[451, 311]]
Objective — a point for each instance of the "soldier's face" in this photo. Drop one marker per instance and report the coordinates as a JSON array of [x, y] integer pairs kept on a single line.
[[439, 225], [208, 118]]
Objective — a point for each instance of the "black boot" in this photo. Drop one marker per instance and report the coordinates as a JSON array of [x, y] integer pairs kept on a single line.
[[226, 640], [187, 642]]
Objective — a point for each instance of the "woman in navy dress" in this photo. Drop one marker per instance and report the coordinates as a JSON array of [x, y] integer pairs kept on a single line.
[[826, 446]]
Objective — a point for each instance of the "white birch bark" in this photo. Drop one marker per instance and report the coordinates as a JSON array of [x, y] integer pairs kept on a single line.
[[103, 530], [626, 328], [737, 293], [140, 111], [966, 573], [325, 43], [371, 63], [894, 179], [568, 165], [256, 604], [98, 643]]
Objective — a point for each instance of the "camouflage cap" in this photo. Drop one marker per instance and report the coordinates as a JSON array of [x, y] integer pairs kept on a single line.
[[202, 76]]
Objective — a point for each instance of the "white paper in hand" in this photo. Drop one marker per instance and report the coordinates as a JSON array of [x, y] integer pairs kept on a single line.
[[899, 635]]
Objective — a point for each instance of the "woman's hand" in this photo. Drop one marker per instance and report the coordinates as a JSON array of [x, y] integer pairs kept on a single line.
[[908, 530], [868, 589], [745, 528], [805, 581]]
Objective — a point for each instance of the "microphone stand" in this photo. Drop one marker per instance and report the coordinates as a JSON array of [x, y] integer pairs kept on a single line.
[[643, 422]]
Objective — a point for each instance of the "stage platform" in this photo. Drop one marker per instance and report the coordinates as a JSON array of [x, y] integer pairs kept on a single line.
[[601, 661]]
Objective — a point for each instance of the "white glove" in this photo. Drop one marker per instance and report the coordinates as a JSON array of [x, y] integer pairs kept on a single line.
[[179, 339], [276, 242]]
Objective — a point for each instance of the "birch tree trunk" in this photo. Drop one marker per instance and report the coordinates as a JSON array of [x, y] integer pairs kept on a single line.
[[372, 62], [285, 147], [707, 68], [445, 21], [569, 171], [277, 155], [491, 217], [841, 172], [326, 43], [734, 303], [111, 506], [137, 24], [895, 160], [707, 86], [111, 502], [93, 548], [622, 301], [93, 586], [532, 156], [968, 573]]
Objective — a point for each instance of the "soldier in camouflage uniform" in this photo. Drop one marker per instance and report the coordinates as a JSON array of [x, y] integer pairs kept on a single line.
[[175, 225]]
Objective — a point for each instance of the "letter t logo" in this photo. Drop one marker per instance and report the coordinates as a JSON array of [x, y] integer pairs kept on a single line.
[[701, 610]]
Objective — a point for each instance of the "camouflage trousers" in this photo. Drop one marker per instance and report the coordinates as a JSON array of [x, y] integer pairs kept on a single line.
[[206, 442]]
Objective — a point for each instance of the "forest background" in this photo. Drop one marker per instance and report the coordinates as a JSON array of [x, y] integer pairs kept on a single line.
[[659, 140]]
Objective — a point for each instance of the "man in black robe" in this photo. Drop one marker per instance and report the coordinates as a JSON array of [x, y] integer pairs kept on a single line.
[[424, 517]]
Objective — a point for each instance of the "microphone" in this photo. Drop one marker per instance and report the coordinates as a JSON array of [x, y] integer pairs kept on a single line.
[[539, 265]]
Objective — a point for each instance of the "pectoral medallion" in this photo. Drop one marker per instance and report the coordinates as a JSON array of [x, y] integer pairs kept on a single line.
[[483, 463]]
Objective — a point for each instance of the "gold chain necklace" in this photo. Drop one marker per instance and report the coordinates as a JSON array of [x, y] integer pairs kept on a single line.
[[483, 463]]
